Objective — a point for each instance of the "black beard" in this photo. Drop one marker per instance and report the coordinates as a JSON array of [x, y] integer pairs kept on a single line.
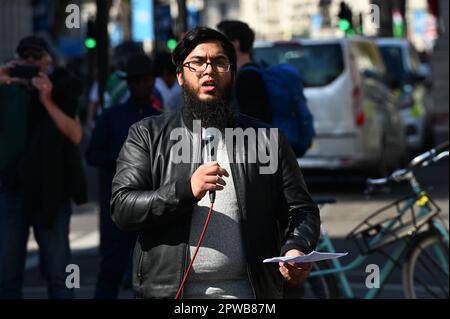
[[217, 113]]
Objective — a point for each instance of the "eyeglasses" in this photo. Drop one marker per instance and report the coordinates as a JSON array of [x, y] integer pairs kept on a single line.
[[36, 55], [201, 66]]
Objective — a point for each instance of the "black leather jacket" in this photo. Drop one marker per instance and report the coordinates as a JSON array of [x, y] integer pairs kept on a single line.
[[152, 195]]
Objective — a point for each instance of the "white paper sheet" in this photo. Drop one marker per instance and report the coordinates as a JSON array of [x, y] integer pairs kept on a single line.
[[311, 257]]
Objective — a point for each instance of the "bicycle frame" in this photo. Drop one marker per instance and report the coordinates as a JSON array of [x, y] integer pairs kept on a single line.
[[326, 244]]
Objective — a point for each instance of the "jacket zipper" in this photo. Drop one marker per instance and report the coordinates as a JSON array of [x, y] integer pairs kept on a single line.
[[241, 216], [141, 257], [250, 280], [186, 250]]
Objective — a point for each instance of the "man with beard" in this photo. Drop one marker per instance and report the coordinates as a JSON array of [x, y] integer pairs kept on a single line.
[[255, 216]]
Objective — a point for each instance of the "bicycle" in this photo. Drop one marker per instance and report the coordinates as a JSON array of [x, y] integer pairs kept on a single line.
[[410, 227]]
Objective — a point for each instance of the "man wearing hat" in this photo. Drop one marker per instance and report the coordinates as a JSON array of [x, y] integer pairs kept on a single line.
[[110, 132], [40, 167]]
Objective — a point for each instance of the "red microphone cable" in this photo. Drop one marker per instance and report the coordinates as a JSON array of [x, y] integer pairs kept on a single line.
[[196, 250]]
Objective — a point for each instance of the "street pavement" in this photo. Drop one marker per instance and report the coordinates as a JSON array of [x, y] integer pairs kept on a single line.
[[338, 219]]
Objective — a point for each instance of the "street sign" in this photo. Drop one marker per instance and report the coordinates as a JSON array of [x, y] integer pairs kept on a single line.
[[142, 20]]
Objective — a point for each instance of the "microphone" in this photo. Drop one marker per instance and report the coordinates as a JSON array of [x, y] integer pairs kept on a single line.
[[207, 138], [210, 157]]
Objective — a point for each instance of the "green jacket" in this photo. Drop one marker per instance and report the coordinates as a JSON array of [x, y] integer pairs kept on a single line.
[[14, 103]]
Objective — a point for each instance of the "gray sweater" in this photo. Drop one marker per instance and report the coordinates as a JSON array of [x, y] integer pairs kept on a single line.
[[219, 270]]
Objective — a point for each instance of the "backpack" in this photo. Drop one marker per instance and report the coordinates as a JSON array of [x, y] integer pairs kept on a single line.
[[290, 112]]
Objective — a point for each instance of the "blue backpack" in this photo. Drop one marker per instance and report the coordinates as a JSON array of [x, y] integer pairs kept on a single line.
[[290, 112]]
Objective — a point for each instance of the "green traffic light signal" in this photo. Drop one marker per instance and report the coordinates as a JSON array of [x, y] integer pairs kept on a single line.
[[171, 44], [344, 24], [90, 43], [399, 30]]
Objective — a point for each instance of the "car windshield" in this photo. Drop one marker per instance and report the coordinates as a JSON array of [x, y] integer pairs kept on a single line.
[[392, 57], [319, 64]]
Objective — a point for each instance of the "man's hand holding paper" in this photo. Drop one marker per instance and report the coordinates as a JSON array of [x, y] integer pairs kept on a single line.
[[294, 273]]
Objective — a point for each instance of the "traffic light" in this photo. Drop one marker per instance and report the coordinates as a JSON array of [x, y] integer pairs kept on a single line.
[[398, 24], [169, 37], [171, 44], [345, 16], [91, 40]]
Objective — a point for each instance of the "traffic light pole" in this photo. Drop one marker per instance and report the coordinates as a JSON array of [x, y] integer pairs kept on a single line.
[[182, 16], [157, 44], [102, 45]]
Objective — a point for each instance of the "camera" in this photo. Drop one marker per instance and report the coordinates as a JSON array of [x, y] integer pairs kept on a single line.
[[27, 71]]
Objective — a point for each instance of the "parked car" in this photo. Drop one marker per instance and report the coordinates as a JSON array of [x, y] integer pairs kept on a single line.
[[410, 79], [357, 123]]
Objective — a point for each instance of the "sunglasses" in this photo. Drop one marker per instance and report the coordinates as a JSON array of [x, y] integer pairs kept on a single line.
[[36, 55]]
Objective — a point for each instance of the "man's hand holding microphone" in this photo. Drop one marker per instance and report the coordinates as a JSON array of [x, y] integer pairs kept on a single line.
[[208, 177]]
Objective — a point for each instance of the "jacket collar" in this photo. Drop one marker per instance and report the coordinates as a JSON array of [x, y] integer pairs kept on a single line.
[[187, 119]]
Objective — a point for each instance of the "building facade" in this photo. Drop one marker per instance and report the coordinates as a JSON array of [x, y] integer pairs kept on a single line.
[[287, 19]]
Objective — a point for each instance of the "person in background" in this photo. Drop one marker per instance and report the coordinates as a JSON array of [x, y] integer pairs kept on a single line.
[[272, 94], [110, 132], [40, 167], [166, 83], [250, 89], [116, 91]]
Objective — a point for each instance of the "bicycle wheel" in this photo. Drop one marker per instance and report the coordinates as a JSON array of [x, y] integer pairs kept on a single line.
[[321, 287], [426, 269]]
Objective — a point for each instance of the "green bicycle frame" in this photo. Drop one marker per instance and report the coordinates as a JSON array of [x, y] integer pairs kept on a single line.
[[326, 244]]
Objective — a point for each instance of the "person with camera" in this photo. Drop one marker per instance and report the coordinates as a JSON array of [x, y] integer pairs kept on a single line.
[[40, 166]]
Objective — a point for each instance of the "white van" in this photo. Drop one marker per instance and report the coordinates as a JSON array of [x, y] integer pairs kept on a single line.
[[410, 80], [357, 123]]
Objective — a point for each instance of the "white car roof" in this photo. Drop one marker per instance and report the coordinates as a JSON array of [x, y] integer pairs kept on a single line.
[[392, 42], [308, 41], [268, 44]]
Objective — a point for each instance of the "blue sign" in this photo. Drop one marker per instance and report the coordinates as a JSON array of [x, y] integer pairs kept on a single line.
[[419, 21], [142, 25], [316, 22], [193, 15], [116, 34], [70, 47]]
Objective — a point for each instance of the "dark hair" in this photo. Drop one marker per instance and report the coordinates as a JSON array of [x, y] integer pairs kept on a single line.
[[137, 65], [32, 42], [198, 36], [124, 51], [240, 31]]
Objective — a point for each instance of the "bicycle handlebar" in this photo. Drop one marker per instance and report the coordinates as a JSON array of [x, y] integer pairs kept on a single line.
[[435, 154], [428, 155], [396, 176]]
